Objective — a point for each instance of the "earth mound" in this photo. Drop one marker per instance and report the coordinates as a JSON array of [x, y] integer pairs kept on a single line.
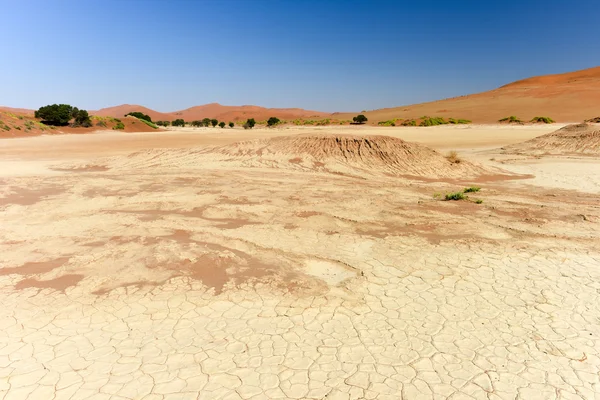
[[350, 155], [576, 139]]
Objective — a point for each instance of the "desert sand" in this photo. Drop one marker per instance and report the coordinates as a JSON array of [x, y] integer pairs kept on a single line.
[[298, 263]]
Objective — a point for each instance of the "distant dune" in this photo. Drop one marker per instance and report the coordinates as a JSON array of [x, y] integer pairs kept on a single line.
[[214, 110], [568, 97]]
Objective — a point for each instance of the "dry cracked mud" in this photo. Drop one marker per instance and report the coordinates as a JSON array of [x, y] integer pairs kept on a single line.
[[188, 273]]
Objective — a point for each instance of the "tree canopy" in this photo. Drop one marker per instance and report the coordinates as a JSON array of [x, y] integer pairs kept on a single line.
[[360, 119], [273, 121], [214, 122], [222, 124], [249, 123], [231, 124], [206, 122], [55, 114], [178, 122]]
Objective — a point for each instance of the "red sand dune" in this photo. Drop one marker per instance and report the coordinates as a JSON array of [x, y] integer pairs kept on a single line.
[[15, 124], [568, 97], [214, 110]]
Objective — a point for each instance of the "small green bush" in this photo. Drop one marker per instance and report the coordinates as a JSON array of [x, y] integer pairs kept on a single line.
[[391, 122], [150, 124], [222, 124], [101, 124], [249, 123], [409, 122], [545, 120], [511, 120], [429, 121], [231, 124], [472, 189], [214, 122], [478, 201], [119, 126], [458, 121], [139, 115], [454, 196]]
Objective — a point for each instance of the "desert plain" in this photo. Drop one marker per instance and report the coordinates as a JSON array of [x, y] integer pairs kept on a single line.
[[304, 263]]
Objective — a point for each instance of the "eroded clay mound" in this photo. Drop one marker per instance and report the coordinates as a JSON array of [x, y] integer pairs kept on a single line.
[[348, 154], [582, 139]]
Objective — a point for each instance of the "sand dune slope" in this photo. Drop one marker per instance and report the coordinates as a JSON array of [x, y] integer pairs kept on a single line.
[[580, 139]]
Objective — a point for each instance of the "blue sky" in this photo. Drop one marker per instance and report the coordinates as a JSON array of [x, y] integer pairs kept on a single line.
[[321, 55]]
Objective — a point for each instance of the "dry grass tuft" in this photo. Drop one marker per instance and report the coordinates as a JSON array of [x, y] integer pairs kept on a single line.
[[453, 157]]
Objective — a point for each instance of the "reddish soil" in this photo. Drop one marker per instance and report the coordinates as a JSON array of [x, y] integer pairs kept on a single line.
[[15, 124]]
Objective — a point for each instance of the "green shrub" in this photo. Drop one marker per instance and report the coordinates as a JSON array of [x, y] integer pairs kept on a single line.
[[249, 123], [214, 122], [178, 122], [101, 124], [119, 126], [478, 201], [454, 196], [429, 121], [82, 118], [150, 124], [458, 121], [409, 122], [360, 119], [206, 122], [4, 126], [391, 122], [472, 189], [511, 120], [231, 124], [273, 121], [222, 124], [139, 115], [545, 120]]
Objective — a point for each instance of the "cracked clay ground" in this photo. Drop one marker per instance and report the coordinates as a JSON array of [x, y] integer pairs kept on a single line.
[[163, 275]]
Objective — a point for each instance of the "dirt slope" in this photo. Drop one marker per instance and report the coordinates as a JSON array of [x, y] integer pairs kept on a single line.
[[569, 97], [14, 125], [578, 139]]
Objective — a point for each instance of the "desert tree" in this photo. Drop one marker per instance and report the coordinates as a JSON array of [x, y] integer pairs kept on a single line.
[[178, 122], [273, 121], [214, 122], [360, 119], [222, 124], [206, 122], [231, 124]]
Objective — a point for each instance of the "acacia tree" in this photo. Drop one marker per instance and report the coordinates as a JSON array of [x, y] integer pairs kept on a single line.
[[55, 114], [360, 119], [196, 123], [249, 123], [231, 124], [178, 122], [273, 121], [222, 124], [214, 122], [206, 122]]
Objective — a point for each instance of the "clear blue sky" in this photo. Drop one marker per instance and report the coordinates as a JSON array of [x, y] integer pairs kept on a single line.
[[315, 54]]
